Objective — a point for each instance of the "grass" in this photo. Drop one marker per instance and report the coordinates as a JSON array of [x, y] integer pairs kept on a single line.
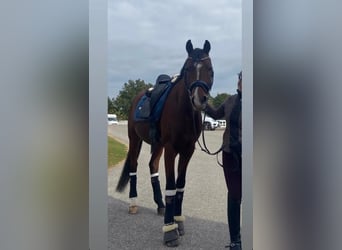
[[116, 152]]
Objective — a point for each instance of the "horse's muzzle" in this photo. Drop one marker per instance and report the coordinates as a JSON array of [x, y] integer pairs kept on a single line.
[[199, 103]]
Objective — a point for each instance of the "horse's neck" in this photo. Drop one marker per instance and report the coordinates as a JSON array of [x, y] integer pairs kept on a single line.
[[180, 109], [183, 96]]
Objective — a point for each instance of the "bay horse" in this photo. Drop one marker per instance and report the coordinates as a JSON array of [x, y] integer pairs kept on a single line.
[[179, 127]]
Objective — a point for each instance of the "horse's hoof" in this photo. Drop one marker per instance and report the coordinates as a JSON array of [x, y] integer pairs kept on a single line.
[[161, 211], [174, 243], [181, 230], [171, 238], [133, 209], [180, 222]]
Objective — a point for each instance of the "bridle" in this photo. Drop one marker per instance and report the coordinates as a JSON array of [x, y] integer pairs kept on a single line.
[[197, 83], [206, 87]]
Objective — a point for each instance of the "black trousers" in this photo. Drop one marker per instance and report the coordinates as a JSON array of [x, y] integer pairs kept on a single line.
[[232, 173]]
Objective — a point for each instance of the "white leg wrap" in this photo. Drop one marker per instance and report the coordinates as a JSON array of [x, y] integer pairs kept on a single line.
[[133, 201], [132, 173], [180, 189], [168, 228], [155, 174], [179, 218]]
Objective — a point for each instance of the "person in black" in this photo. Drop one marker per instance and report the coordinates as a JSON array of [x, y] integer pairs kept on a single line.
[[231, 159]]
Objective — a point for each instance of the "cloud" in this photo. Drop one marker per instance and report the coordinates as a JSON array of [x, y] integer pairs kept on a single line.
[[147, 38]]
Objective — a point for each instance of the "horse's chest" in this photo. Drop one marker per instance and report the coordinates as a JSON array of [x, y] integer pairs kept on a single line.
[[185, 138]]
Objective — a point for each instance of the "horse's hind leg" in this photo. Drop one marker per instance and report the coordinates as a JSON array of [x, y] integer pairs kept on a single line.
[[134, 150], [154, 167]]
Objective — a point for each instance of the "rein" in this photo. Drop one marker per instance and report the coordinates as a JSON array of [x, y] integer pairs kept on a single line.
[[205, 149]]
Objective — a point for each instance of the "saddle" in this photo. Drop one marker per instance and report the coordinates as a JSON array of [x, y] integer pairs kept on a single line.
[[150, 106]]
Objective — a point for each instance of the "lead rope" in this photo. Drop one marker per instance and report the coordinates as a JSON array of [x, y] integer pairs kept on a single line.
[[205, 149]]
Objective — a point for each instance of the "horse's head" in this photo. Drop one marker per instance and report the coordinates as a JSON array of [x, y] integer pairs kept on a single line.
[[198, 74]]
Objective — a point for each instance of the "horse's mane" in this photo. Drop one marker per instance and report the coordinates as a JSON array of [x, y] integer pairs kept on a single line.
[[181, 74], [177, 77]]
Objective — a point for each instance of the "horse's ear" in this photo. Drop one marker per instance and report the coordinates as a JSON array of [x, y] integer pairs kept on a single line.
[[189, 47], [206, 46]]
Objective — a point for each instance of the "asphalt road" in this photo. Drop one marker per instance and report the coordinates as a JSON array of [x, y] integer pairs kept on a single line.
[[204, 204]]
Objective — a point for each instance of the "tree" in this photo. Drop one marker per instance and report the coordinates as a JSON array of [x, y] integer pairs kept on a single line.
[[111, 107], [123, 101], [218, 99]]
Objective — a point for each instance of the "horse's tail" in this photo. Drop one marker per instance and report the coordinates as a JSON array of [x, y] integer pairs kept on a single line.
[[124, 178]]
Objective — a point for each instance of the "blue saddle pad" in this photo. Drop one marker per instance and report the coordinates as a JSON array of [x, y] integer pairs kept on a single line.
[[144, 111]]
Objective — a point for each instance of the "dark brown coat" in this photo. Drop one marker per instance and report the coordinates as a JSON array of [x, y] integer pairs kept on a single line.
[[224, 111]]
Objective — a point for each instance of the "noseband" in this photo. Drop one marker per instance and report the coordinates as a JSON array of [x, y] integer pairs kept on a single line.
[[200, 84]]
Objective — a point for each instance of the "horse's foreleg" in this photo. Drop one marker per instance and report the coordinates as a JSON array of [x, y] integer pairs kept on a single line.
[[154, 167], [182, 167], [170, 230]]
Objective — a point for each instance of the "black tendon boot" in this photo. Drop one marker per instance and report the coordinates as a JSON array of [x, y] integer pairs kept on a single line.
[[157, 195], [234, 223]]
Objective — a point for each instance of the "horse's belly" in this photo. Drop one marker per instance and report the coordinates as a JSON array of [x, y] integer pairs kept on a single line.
[[142, 130]]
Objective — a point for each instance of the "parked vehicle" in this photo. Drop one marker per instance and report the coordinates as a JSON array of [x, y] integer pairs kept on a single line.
[[222, 123], [112, 119], [209, 123]]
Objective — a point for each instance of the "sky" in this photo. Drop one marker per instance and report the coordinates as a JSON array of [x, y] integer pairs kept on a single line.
[[147, 38]]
